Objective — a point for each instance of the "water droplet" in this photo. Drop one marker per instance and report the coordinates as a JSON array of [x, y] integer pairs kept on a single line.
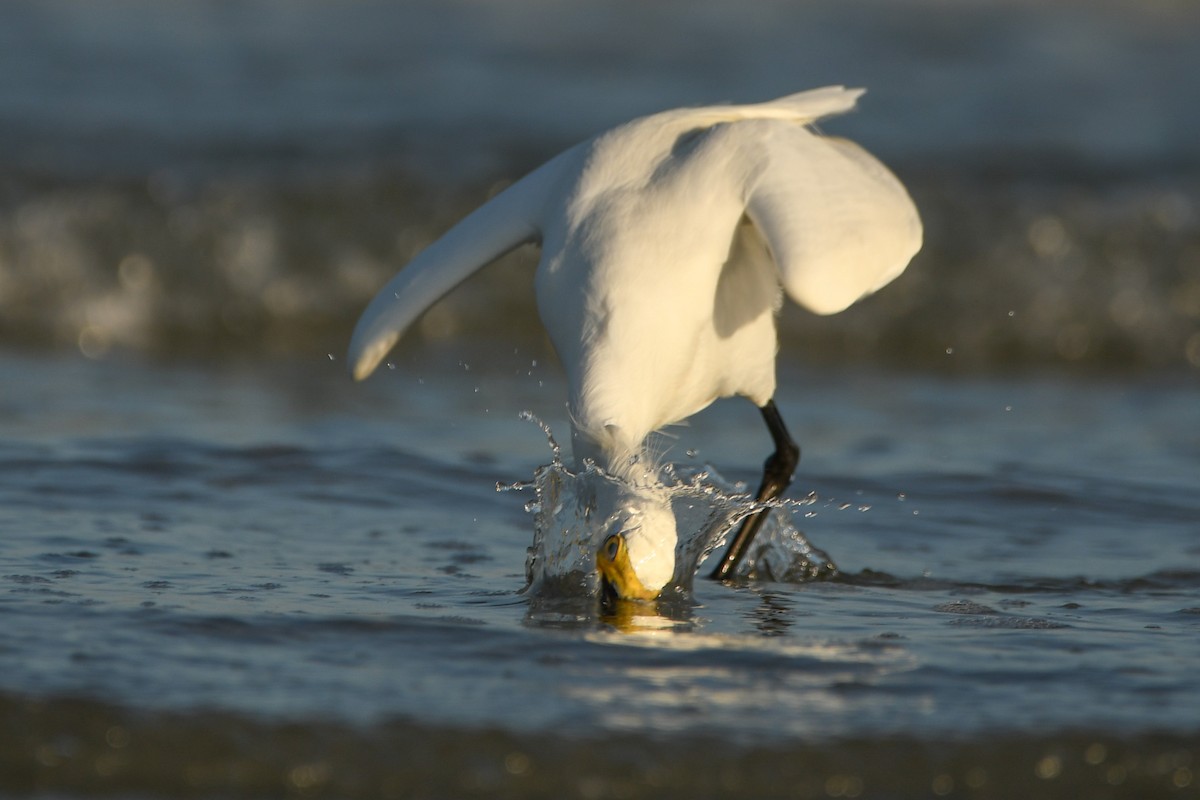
[[390, 365], [692, 453], [117, 737], [1049, 238], [1095, 754], [901, 497], [1048, 768], [331, 357], [516, 763], [949, 351]]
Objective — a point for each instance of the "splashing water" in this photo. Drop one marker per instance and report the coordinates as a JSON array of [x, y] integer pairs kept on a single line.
[[570, 519]]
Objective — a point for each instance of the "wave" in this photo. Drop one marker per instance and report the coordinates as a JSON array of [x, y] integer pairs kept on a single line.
[[252, 210], [1016, 271]]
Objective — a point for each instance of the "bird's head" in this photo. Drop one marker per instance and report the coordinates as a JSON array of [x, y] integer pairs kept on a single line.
[[637, 559]]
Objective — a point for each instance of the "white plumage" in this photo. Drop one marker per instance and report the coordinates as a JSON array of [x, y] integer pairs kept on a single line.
[[665, 244]]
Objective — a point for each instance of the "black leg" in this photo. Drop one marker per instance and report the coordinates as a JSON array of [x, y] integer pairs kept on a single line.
[[777, 475]]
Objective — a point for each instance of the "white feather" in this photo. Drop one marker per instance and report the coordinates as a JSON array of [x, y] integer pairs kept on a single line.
[[838, 223], [665, 244], [507, 221]]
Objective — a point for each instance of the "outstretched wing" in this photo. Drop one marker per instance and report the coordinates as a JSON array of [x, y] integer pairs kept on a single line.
[[505, 222], [839, 224]]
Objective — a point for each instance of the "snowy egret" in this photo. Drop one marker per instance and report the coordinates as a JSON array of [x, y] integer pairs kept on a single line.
[[666, 246]]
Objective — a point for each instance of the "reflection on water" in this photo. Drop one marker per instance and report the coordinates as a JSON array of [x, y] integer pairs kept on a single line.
[[704, 675], [259, 580], [280, 568]]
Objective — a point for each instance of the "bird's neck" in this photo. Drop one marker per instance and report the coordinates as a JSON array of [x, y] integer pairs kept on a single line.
[[625, 460]]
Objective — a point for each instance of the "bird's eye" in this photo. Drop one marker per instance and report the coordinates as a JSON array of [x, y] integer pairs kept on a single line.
[[612, 546]]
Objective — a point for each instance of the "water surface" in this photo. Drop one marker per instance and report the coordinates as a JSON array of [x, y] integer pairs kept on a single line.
[[326, 560], [226, 571]]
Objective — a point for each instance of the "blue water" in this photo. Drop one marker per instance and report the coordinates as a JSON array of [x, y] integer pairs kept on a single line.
[[138, 82], [226, 570], [1011, 558]]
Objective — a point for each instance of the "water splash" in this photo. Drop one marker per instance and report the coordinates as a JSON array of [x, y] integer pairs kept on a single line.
[[572, 510]]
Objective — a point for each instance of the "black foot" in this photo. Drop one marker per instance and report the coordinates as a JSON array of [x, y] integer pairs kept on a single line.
[[777, 476]]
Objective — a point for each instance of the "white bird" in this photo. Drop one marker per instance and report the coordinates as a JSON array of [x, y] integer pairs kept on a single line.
[[666, 245]]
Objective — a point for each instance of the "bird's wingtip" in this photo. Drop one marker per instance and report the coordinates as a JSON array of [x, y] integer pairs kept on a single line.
[[813, 104], [363, 358], [850, 93], [360, 371]]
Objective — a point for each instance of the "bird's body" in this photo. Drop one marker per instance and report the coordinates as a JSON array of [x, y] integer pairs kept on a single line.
[[648, 326], [667, 244]]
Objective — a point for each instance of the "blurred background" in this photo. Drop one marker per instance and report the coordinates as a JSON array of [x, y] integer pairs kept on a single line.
[[225, 570], [213, 179]]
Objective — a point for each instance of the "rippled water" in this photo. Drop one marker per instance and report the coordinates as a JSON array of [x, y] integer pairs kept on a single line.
[[1019, 568], [226, 571]]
